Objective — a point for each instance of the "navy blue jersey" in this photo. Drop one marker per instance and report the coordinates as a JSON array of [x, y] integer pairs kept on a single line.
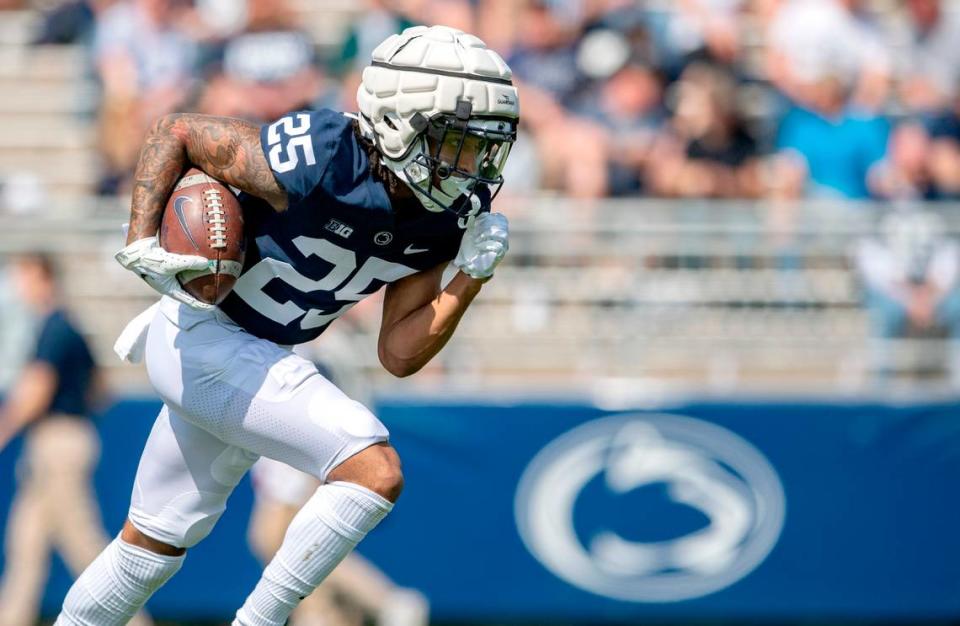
[[63, 348], [340, 240]]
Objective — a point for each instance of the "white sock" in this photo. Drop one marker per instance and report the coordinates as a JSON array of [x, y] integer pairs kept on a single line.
[[327, 528], [116, 585]]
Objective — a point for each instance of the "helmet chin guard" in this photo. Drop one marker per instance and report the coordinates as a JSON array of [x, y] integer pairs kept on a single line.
[[442, 110]]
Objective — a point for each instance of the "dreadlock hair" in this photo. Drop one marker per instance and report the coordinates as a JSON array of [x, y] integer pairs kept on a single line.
[[377, 168]]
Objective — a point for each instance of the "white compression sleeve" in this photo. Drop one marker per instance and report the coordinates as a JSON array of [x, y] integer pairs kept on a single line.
[[116, 585], [325, 530]]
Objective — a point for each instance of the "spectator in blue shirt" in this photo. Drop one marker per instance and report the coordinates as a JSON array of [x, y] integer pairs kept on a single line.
[[54, 507], [829, 146]]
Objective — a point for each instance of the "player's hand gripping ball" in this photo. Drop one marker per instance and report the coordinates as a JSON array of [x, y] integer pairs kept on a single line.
[[484, 244], [200, 251]]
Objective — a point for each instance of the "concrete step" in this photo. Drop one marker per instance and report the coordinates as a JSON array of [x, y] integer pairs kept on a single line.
[[26, 98], [18, 27], [42, 63], [57, 133], [77, 165], [66, 178]]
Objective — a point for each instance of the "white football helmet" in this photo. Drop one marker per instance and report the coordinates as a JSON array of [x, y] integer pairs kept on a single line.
[[442, 110]]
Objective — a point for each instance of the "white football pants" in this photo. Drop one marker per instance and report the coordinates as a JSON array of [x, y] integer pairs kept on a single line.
[[229, 398]]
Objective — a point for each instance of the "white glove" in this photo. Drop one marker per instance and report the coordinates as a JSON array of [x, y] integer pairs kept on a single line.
[[159, 268], [484, 243]]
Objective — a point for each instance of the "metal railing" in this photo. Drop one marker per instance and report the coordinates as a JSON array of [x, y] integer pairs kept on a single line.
[[640, 292]]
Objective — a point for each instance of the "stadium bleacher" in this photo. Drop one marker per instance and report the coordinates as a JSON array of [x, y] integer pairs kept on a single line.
[[589, 303], [46, 132]]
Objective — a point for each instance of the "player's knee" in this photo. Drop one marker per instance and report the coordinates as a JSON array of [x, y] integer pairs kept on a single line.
[[383, 476], [388, 481], [133, 536], [181, 524], [377, 468]]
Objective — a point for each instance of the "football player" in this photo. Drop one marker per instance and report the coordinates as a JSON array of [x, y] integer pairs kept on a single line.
[[335, 207]]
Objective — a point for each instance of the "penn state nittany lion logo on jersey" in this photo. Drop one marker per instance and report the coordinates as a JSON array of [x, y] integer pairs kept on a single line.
[[340, 239]]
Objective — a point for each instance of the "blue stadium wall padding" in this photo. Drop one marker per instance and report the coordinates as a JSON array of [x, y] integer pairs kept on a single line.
[[538, 512]]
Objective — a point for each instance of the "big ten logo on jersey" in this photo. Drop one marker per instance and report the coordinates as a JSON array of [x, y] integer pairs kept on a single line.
[[347, 282], [339, 228], [298, 144]]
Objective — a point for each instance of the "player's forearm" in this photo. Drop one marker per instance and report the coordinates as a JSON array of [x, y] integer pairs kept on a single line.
[[225, 148], [414, 340], [162, 160]]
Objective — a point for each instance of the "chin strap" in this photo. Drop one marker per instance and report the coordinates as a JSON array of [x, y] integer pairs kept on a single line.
[[413, 174]]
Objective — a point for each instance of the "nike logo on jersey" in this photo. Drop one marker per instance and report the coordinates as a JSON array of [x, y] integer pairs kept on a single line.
[[178, 209], [411, 250]]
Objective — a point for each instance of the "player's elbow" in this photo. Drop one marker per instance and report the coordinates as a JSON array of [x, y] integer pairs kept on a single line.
[[396, 365], [400, 369], [170, 124]]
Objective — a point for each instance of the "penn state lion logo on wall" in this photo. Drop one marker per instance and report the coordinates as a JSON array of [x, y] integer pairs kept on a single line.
[[725, 502]]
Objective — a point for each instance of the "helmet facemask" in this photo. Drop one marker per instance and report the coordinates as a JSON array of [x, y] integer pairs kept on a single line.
[[453, 154]]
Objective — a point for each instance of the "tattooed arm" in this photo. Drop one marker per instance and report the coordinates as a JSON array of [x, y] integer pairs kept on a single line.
[[227, 149]]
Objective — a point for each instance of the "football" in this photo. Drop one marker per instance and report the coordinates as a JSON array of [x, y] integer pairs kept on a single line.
[[203, 217]]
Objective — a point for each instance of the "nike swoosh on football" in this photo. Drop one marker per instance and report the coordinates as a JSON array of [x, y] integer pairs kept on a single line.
[[178, 209], [411, 250]]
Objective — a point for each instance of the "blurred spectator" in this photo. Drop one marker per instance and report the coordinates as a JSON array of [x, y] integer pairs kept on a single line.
[[621, 98], [826, 146], [378, 20], [912, 279], [381, 18], [707, 151], [628, 107], [544, 56], [625, 104], [710, 27], [927, 59], [918, 166], [54, 507], [572, 151], [455, 13], [944, 167], [266, 70], [146, 65], [810, 41], [69, 22], [632, 22], [904, 173]]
